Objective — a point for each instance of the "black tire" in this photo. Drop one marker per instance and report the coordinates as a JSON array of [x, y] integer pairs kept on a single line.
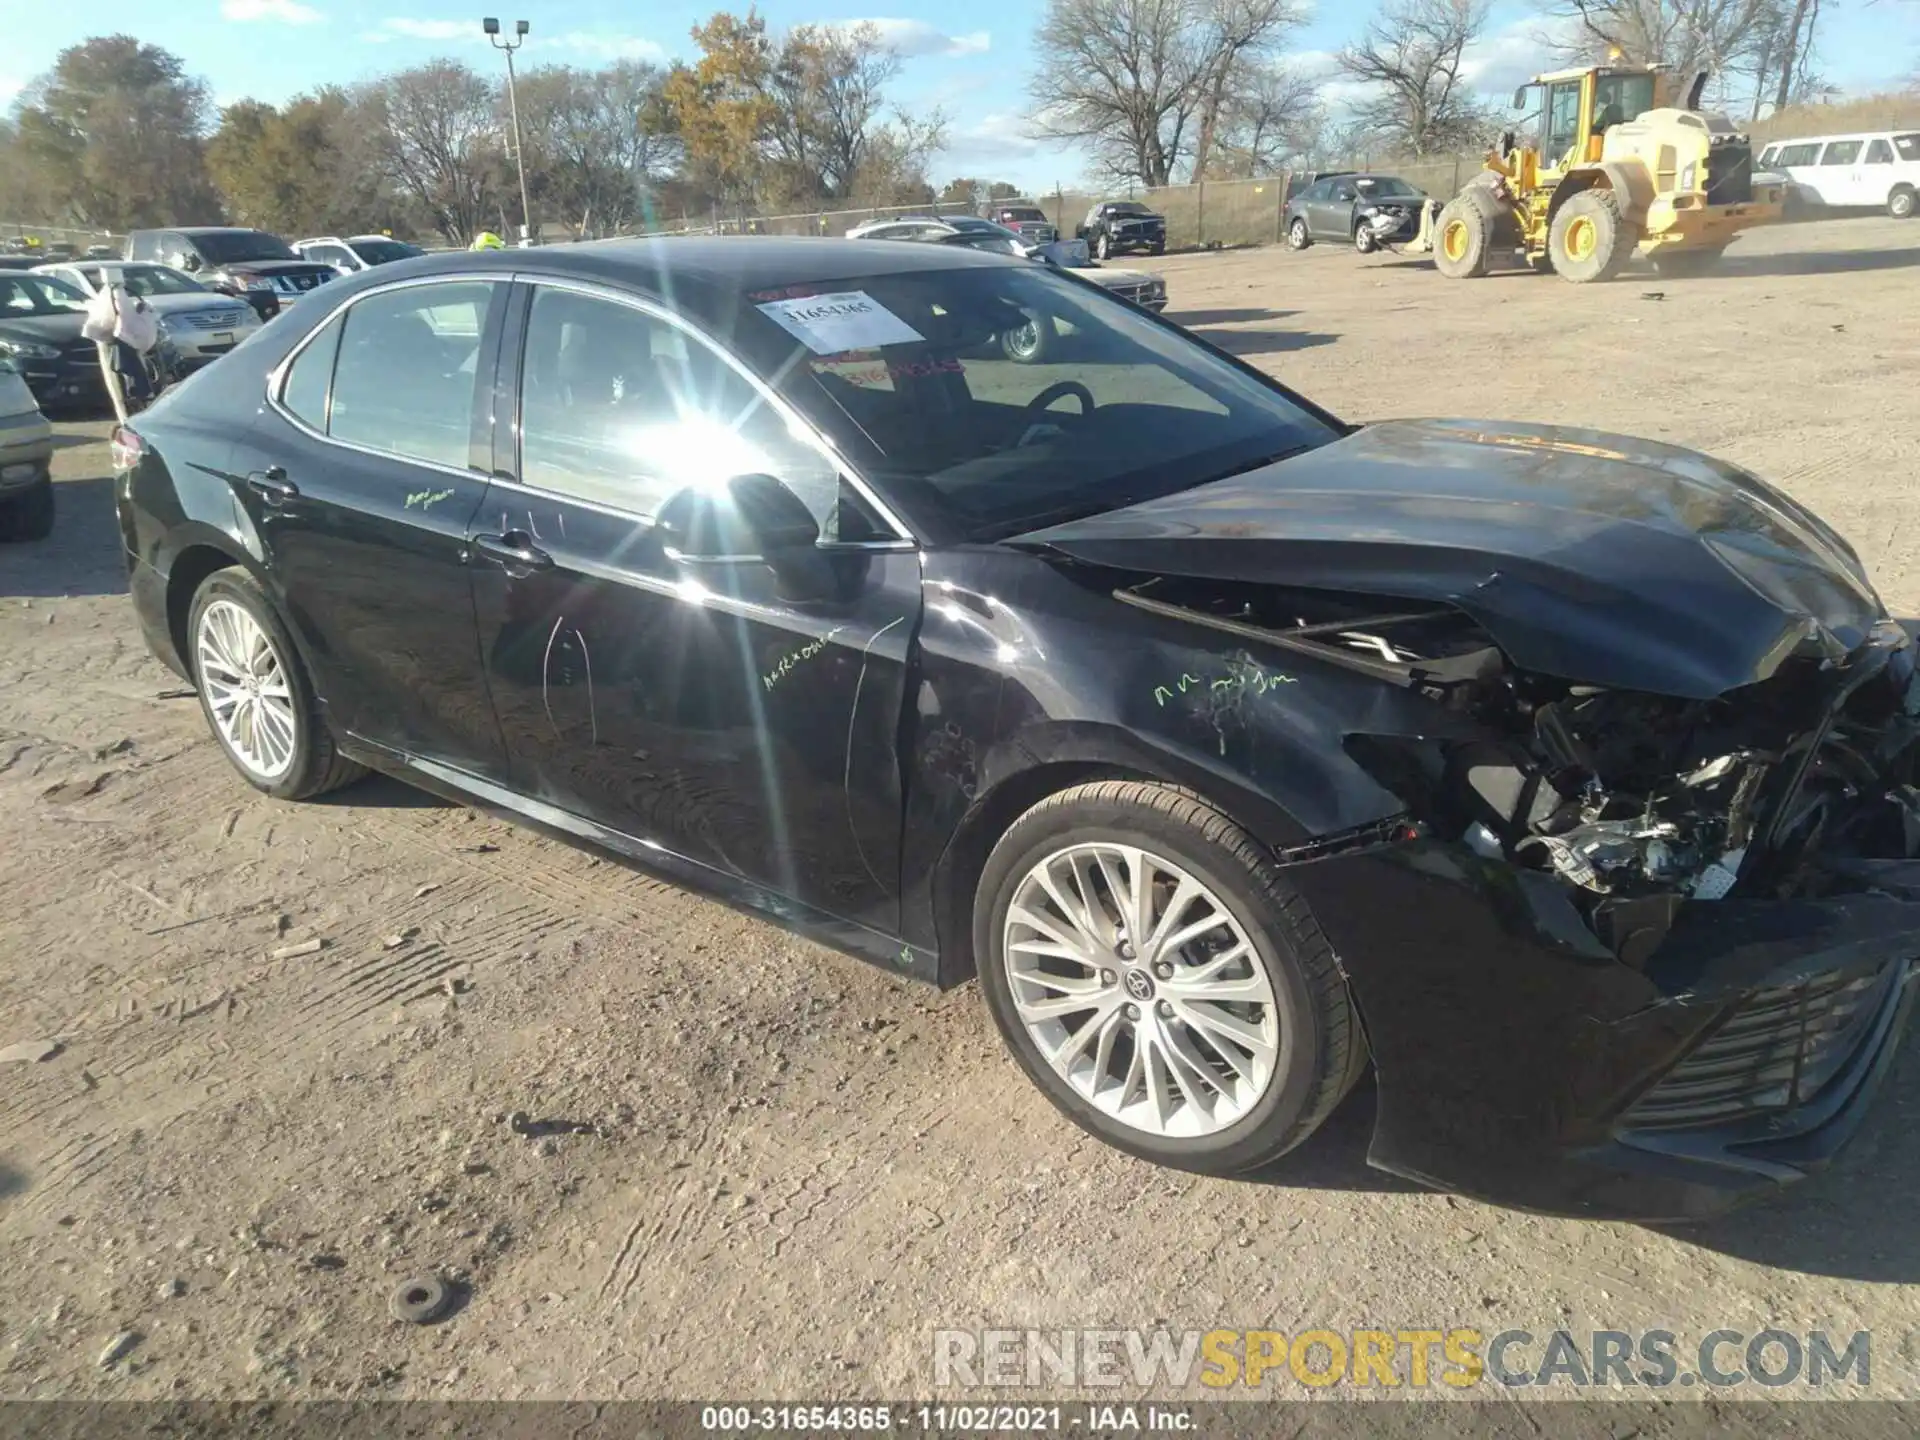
[[28, 516], [1681, 264], [1589, 239], [1103, 246], [1032, 343], [1322, 1041], [1159, 247], [317, 765], [1463, 237], [1901, 203], [1299, 233]]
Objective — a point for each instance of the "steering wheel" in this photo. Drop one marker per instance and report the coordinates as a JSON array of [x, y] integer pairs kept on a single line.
[[1059, 390]]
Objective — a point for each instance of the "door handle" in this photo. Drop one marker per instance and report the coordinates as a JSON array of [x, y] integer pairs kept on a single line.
[[272, 485], [515, 550]]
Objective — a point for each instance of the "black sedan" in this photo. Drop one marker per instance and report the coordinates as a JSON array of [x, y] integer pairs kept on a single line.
[[1565, 778], [1365, 211], [40, 320]]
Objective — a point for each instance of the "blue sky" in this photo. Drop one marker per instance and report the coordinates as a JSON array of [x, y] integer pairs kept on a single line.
[[970, 58]]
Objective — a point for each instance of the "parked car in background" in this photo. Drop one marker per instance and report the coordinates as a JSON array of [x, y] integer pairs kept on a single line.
[[30, 260], [26, 460], [355, 253], [1878, 169], [200, 324], [1024, 218], [1365, 211], [102, 252], [251, 264], [1115, 226], [926, 227], [40, 320]]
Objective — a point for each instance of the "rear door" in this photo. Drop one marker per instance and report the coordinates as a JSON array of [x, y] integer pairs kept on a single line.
[[688, 701], [1834, 175], [361, 475]]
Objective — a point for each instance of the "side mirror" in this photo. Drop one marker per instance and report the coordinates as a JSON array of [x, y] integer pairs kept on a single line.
[[752, 520], [1520, 98]]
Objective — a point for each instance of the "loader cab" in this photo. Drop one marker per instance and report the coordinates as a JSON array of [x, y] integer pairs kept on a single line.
[[1571, 111]]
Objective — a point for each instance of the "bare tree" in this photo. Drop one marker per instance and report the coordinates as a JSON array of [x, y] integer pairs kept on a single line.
[[1413, 55], [594, 141], [1119, 76], [1234, 37], [829, 84], [1688, 35], [1272, 118], [443, 147]]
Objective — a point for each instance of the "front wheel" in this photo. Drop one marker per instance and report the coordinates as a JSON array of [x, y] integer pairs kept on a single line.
[[1589, 239], [255, 693], [1299, 237], [1364, 240], [1103, 247], [1157, 977]]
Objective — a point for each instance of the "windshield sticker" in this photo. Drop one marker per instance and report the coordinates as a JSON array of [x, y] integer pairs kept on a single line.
[[846, 320]]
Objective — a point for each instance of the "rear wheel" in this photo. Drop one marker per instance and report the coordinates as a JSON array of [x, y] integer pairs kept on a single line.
[[1160, 981], [1901, 203], [1679, 264], [1589, 240], [1299, 237], [28, 515], [1463, 242], [255, 694]]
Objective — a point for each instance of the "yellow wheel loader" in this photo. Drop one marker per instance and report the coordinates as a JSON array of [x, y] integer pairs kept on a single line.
[[1614, 165]]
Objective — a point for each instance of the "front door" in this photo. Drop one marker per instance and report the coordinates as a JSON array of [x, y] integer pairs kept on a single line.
[[690, 702], [359, 477]]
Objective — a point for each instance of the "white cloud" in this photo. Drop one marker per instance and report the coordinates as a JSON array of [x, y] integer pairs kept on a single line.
[[10, 86], [994, 139], [426, 30], [1500, 63], [912, 39], [609, 47], [287, 12]]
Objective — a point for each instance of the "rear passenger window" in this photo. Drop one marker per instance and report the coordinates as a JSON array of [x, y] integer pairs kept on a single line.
[[406, 375], [305, 391], [1879, 153], [1841, 152]]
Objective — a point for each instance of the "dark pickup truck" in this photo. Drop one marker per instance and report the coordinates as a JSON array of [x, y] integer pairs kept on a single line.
[[1115, 226]]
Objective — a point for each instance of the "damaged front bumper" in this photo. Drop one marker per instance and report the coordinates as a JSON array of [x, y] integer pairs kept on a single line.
[[1519, 1060]]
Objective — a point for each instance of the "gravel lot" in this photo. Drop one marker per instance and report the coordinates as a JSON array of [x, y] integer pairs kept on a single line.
[[670, 1151]]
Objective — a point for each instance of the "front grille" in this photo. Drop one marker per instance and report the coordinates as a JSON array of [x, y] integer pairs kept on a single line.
[[216, 319], [1777, 1050], [1730, 174]]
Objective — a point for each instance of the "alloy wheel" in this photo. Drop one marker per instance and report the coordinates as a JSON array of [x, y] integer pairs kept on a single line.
[[247, 690], [1138, 986]]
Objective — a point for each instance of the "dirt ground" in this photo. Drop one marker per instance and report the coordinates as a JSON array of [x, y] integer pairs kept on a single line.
[[670, 1151]]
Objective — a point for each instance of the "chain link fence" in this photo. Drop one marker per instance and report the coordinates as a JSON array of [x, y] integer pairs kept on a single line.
[[17, 236]]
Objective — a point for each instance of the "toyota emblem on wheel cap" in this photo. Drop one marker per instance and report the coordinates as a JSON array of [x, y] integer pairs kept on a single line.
[[1139, 985]]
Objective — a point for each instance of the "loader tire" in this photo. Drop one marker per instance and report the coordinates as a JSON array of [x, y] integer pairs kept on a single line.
[[1590, 240], [1464, 234]]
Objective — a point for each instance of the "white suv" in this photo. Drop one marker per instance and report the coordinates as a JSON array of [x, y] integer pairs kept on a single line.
[[1878, 168], [356, 253]]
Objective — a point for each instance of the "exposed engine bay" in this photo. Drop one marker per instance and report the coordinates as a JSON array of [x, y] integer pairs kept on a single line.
[[1639, 802]]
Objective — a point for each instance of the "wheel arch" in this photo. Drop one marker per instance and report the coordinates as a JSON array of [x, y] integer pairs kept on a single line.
[[195, 556], [1631, 186], [1055, 759]]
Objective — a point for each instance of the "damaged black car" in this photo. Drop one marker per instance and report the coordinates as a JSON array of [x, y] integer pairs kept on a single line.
[[1564, 781]]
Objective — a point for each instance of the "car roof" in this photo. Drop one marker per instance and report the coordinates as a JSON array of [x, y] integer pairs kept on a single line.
[[699, 269]]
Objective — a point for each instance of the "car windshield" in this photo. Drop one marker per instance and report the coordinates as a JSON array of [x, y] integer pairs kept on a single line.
[[382, 252], [989, 400], [224, 247], [156, 280], [1128, 207], [1908, 146], [22, 295], [1386, 188]]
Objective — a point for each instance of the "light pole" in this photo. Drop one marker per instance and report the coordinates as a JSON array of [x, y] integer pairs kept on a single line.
[[501, 43]]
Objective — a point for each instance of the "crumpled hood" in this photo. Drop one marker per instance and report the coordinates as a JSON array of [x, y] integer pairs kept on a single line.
[[1597, 558]]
